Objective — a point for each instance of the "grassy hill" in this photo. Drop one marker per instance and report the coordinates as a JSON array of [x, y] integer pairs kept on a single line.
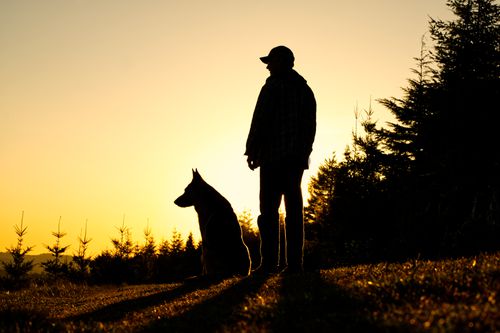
[[454, 295]]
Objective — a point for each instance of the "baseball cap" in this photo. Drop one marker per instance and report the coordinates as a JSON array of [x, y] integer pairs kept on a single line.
[[279, 52]]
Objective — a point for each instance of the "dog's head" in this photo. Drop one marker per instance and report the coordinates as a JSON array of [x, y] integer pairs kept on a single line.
[[192, 191]]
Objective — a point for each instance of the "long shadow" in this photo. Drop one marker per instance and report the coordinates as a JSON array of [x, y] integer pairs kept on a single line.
[[119, 310], [317, 305], [213, 313]]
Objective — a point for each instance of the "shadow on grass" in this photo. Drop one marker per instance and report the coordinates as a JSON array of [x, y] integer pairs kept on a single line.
[[306, 303], [117, 311], [212, 314], [311, 303], [23, 320], [316, 305]]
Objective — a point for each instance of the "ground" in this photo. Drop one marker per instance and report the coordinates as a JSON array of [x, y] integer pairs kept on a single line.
[[452, 295]]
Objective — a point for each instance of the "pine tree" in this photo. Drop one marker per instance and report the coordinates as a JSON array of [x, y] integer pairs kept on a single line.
[[163, 269], [443, 150], [410, 139], [176, 244], [164, 248], [123, 245], [245, 220], [467, 54], [116, 266], [190, 247], [321, 191], [18, 270], [172, 265], [81, 262], [467, 49], [192, 257], [145, 258], [345, 199], [55, 267]]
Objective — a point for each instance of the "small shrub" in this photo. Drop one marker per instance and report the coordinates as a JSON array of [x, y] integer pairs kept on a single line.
[[18, 270], [55, 267]]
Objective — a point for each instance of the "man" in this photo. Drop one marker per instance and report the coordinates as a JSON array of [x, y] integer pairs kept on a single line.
[[280, 142]]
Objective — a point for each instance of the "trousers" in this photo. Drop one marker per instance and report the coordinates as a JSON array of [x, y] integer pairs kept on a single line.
[[277, 182]]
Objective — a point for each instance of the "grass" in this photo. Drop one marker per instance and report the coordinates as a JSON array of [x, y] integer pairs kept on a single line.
[[453, 295]]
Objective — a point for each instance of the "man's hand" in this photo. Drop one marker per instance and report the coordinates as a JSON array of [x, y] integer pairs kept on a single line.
[[252, 163]]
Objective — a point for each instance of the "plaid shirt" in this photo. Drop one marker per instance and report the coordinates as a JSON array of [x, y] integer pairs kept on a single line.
[[284, 122]]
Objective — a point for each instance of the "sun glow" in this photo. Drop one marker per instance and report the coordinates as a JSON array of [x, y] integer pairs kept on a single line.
[[105, 107]]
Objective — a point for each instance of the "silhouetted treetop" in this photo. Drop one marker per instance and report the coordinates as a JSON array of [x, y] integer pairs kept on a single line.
[[468, 47]]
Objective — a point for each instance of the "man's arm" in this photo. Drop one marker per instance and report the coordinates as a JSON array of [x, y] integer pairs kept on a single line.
[[309, 125], [255, 135]]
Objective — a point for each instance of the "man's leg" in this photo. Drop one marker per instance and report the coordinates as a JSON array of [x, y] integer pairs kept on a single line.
[[268, 221], [294, 219]]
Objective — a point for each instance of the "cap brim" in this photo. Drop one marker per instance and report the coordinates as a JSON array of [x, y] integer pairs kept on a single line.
[[265, 59]]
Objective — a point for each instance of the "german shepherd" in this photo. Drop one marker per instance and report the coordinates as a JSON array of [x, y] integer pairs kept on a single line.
[[223, 251]]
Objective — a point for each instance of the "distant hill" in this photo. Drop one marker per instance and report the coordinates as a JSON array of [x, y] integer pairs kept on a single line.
[[37, 260]]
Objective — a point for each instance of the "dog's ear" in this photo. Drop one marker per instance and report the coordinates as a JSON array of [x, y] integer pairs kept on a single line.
[[196, 175]]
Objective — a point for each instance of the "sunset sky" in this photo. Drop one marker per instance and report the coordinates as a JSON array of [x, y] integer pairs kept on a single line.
[[107, 105]]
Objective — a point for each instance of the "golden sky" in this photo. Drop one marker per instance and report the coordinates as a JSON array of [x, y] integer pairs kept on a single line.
[[106, 105]]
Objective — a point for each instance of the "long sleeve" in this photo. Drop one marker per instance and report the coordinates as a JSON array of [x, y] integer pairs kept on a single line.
[[257, 129], [309, 119]]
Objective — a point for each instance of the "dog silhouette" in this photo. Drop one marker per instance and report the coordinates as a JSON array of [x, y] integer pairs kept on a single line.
[[223, 251]]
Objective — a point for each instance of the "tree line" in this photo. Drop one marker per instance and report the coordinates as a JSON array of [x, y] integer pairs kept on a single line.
[[145, 261], [428, 183]]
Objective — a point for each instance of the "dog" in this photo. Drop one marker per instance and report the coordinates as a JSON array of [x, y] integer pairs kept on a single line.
[[224, 252]]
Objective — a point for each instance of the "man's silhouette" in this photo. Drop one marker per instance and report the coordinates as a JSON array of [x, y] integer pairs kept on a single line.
[[280, 142]]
